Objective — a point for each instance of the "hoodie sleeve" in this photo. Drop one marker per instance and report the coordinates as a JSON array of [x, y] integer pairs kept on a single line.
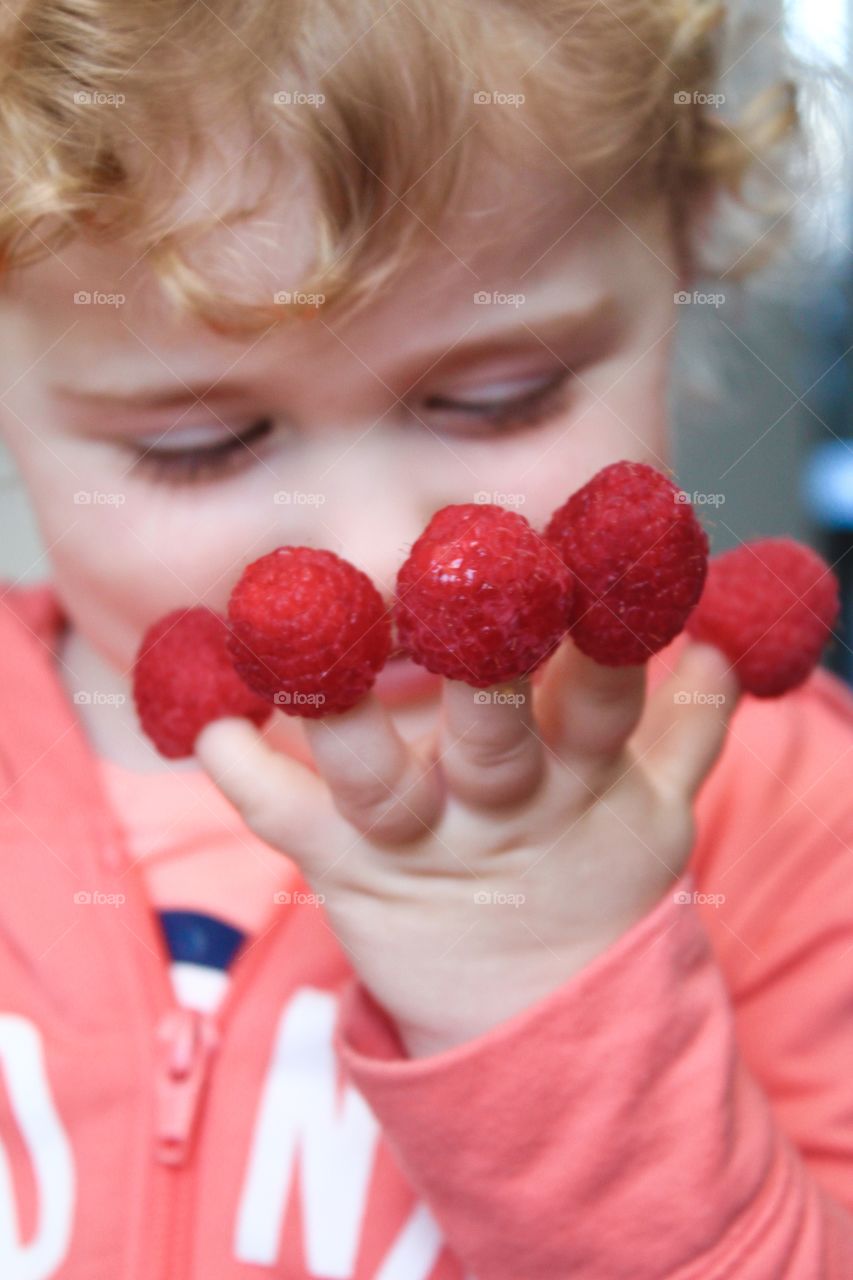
[[654, 1117]]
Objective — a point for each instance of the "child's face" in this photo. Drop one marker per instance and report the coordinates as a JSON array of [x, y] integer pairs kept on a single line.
[[346, 465]]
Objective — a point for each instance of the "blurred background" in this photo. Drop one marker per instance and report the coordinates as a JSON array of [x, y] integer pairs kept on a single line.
[[762, 394], [761, 397]]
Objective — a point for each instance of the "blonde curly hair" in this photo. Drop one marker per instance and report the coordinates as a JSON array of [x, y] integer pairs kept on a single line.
[[106, 106]]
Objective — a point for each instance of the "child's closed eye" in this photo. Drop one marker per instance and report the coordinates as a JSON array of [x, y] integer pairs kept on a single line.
[[190, 465], [460, 415], [480, 415]]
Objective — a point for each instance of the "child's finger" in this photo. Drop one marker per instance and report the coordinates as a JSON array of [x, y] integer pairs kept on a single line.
[[687, 718], [489, 746], [279, 798], [378, 782], [588, 711]]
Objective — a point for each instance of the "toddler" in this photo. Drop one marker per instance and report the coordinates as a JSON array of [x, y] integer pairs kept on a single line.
[[550, 984]]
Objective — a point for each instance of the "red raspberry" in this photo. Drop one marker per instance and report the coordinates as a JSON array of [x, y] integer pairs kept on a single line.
[[183, 678], [482, 598], [770, 605], [309, 631], [639, 556]]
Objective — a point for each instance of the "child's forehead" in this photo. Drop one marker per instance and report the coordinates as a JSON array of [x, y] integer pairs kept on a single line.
[[535, 239], [500, 217]]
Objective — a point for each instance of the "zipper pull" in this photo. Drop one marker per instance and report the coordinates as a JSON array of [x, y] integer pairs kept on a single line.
[[186, 1040]]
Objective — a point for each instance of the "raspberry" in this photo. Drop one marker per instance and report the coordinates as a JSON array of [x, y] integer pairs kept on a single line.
[[770, 605], [183, 678], [482, 598], [639, 556], [309, 631]]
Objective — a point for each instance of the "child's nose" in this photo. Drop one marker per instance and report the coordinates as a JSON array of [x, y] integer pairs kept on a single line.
[[379, 556], [376, 536]]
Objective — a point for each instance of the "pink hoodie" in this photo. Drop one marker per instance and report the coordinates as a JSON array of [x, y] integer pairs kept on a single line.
[[681, 1108]]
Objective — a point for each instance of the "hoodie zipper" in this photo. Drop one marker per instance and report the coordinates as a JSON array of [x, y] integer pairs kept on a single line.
[[187, 1040], [186, 1051]]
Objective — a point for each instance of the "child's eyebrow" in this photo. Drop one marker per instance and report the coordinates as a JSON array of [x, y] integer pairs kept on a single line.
[[537, 330], [145, 397]]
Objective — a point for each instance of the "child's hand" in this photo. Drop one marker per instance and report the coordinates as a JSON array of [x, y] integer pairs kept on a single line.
[[474, 872]]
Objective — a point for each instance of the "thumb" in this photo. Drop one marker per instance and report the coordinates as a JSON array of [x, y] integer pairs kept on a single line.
[[280, 799], [688, 717]]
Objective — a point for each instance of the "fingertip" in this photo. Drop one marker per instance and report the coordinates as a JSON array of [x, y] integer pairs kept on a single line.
[[603, 679], [365, 730], [499, 711], [234, 755], [459, 694], [223, 734], [491, 753], [588, 708], [712, 668]]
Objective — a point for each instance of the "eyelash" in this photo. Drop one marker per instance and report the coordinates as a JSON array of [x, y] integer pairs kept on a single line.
[[190, 466], [515, 415], [180, 466]]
